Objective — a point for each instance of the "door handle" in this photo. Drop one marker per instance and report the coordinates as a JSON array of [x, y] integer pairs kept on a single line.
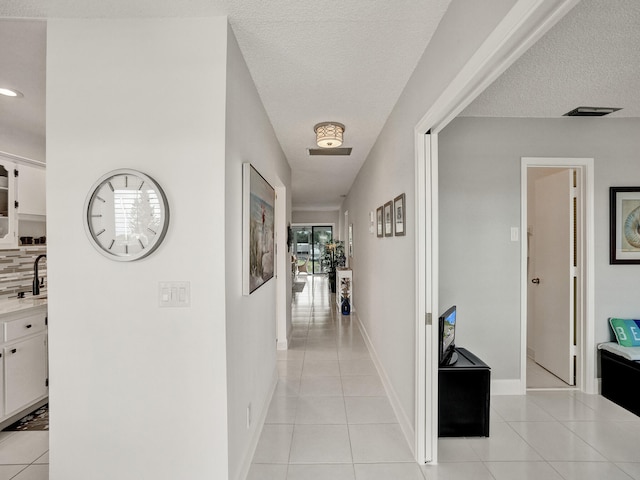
[[535, 280]]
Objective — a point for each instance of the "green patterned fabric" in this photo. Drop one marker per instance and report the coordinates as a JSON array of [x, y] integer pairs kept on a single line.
[[627, 331]]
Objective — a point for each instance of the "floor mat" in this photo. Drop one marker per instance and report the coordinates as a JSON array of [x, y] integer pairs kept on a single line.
[[36, 420]]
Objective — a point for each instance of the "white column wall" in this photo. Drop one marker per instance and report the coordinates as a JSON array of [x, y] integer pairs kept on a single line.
[[137, 391], [384, 268], [251, 320]]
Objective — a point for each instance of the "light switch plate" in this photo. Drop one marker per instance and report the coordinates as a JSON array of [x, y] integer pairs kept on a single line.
[[174, 294]]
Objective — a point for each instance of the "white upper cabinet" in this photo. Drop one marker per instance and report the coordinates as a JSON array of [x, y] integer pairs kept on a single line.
[[22, 195], [8, 230], [31, 190]]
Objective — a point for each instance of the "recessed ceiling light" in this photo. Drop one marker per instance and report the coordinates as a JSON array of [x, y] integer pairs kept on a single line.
[[10, 93]]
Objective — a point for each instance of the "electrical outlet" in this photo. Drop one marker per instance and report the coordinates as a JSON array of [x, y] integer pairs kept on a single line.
[[248, 416]]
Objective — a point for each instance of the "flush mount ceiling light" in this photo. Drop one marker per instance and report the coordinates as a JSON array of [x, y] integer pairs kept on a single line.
[[591, 112], [10, 93], [329, 134]]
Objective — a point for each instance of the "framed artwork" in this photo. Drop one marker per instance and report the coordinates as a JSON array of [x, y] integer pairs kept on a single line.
[[258, 252], [351, 239], [379, 222], [388, 219], [399, 214], [624, 227]]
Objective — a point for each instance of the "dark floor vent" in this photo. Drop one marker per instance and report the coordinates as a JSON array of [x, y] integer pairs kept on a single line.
[[330, 151], [590, 112]]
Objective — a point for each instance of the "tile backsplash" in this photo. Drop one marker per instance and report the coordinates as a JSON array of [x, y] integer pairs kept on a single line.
[[16, 269]]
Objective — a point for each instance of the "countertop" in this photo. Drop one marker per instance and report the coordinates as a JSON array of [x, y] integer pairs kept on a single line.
[[13, 305]]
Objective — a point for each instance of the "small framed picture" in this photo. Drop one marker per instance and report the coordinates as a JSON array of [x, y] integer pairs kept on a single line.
[[388, 219], [624, 226], [379, 222], [351, 240], [399, 214]]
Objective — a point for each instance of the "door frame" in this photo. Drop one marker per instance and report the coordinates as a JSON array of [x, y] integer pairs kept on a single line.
[[525, 24], [586, 362]]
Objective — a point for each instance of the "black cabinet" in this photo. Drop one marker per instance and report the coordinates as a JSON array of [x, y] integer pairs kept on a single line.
[[618, 376], [463, 397]]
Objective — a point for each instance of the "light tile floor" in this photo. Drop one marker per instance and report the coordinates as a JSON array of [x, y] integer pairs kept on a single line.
[[24, 455], [539, 377], [330, 419]]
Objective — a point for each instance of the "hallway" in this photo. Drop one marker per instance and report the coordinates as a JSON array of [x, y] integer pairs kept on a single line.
[[330, 419]]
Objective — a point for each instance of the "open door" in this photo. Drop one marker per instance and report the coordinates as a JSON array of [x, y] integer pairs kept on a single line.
[[554, 274]]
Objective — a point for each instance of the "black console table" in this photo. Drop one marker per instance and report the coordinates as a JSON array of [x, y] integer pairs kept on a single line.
[[463, 397]]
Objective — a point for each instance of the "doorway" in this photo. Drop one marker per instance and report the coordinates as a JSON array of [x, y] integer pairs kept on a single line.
[[553, 289], [557, 254], [308, 246]]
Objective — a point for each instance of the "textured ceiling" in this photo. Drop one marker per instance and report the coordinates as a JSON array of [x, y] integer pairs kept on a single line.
[[348, 62], [589, 58], [22, 67], [311, 62]]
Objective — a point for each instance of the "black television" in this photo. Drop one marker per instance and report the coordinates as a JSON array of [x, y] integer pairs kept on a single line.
[[447, 336]]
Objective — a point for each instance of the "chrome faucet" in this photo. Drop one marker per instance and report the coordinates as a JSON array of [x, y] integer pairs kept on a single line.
[[36, 282]]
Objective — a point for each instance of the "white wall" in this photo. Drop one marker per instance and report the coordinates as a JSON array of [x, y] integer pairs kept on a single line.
[[137, 391], [384, 268], [251, 320], [480, 201], [317, 217]]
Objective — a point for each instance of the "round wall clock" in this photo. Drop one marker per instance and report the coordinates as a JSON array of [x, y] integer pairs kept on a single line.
[[127, 215]]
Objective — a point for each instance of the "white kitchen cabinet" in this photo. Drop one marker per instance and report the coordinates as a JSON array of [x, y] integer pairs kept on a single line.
[[31, 191], [24, 370], [8, 230], [25, 377]]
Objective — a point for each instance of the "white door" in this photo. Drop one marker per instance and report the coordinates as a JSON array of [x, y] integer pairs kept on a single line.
[[554, 273]]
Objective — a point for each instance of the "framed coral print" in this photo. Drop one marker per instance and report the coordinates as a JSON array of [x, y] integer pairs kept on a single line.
[[399, 214], [379, 222], [624, 227], [388, 219], [258, 250]]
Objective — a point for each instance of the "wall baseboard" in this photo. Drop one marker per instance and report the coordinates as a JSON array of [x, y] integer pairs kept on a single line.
[[406, 425], [243, 472]]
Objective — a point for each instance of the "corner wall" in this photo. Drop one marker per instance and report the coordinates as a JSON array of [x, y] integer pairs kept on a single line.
[[137, 391], [384, 269], [251, 320], [480, 201]]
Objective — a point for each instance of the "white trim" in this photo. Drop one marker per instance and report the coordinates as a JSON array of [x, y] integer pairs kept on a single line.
[[586, 372], [423, 448], [525, 23], [22, 160], [498, 52], [283, 268]]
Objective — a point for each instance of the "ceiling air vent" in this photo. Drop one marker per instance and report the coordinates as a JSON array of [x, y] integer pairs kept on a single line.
[[590, 112], [330, 151]]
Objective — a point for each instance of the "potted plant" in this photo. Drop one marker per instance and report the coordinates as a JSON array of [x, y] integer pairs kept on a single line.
[[331, 259]]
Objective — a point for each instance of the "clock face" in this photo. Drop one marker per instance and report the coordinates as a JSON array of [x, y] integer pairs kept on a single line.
[[127, 215]]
